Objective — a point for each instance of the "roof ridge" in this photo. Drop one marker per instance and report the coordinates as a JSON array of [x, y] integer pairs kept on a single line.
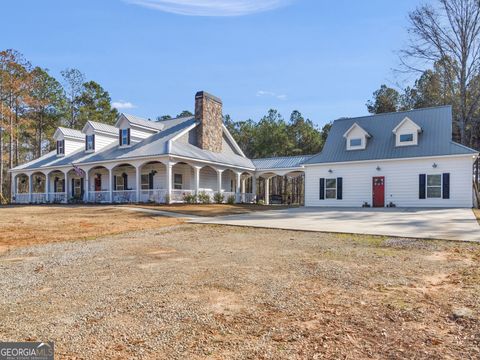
[[394, 112], [282, 157]]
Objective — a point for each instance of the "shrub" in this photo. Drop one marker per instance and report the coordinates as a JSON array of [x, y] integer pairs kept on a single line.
[[204, 198], [260, 202], [218, 198], [190, 198], [231, 200]]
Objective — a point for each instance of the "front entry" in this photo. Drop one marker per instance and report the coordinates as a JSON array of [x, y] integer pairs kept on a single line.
[[98, 182], [378, 191]]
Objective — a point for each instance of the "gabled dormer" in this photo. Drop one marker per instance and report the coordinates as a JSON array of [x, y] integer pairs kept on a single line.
[[98, 135], [356, 137], [68, 141], [132, 129], [406, 133]]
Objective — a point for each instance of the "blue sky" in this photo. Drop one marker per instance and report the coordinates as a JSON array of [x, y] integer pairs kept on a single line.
[[323, 58]]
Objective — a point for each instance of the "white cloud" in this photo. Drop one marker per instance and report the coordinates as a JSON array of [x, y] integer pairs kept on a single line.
[[263, 93], [123, 105], [211, 7]]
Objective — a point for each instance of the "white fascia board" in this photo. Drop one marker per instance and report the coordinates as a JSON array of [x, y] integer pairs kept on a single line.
[[232, 140], [406, 119], [353, 127]]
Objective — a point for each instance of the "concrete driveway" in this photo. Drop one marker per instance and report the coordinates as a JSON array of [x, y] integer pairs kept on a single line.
[[448, 224]]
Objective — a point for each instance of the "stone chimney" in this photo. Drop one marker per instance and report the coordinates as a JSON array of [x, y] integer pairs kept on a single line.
[[208, 110]]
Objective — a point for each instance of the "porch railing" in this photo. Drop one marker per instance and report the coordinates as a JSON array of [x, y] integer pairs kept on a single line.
[[247, 198], [178, 195], [57, 197], [99, 196], [124, 196], [154, 196], [22, 198], [39, 198]]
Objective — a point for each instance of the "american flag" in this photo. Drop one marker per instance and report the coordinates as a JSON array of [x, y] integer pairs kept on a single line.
[[78, 171]]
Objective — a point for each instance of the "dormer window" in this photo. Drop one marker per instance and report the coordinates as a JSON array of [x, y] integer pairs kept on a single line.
[[90, 142], [61, 147], [356, 137], [355, 142], [406, 133], [124, 137], [406, 138]]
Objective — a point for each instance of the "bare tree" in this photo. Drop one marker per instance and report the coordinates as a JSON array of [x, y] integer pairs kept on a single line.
[[450, 33], [73, 80]]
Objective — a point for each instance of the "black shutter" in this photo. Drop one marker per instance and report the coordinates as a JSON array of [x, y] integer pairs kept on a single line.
[[128, 133], [57, 147], [81, 188], [114, 182], [322, 189], [446, 186], [125, 181], [339, 188], [93, 141], [86, 142], [150, 181], [63, 185], [73, 187], [421, 186], [120, 137]]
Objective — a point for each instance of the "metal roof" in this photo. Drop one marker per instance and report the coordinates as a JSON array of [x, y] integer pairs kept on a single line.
[[71, 132], [103, 127], [155, 125], [285, 162], [434, 140]]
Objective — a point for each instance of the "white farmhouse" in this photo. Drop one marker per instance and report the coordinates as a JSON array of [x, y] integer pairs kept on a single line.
[[399, 159]]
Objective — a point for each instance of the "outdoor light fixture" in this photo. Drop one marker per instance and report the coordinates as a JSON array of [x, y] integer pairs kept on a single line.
[[330, 171], [434, 165], [379, 168]]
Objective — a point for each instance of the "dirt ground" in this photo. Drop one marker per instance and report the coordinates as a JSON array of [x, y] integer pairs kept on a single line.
[[218, 292], [28, 225], [210, 209]]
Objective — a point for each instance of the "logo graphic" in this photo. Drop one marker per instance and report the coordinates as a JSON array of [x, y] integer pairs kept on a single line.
[[26, 351]]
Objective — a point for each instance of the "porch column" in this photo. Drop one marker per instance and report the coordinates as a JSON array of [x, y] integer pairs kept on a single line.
[[267, 191], [237, 186], [242, 190], [254, 188], [196, 179], [219, 180], [138, 181], [47, 187], [169, 166], [30, 187], [13, 187], [110, 186], [86, 186], [65, 190]]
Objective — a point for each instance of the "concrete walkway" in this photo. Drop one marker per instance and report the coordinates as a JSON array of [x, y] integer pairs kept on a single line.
[[447, 224]]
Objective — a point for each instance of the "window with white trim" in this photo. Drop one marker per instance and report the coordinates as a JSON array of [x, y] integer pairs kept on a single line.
[[406, 138], [125, 137], [331, 188], [120, 183], [355, 142], [145, 180], [61, 147], [90, 142], [434, 186], [177, 181]]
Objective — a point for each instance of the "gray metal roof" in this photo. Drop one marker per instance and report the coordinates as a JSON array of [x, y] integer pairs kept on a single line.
[[71, 132], [155, 125], [151, 146], [434, 140], [104, 127], [285, 162]]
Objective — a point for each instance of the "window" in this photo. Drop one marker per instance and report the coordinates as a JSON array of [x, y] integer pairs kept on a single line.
[[356, 142], [59, 186], [77, 187], [177, 181], [406, 137], [124, 137], [61, 147], [145, 182], [120, 184], [434, 186], [330, 188], [89, 142]]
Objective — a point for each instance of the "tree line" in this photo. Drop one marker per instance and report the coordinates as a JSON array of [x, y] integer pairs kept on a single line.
[[33, 104], [444, 53]]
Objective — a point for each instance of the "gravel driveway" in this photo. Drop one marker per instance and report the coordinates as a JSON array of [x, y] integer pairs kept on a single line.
[[206, 291]]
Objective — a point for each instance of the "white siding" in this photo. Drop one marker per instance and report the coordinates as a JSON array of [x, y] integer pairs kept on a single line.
[[160, 178], [71, 145], [208, 179], [187, 175], [356, 133], [401, 182], [408, 127], [101, 140]]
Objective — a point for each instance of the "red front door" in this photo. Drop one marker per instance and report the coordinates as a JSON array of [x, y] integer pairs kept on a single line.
[[378, 191]]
